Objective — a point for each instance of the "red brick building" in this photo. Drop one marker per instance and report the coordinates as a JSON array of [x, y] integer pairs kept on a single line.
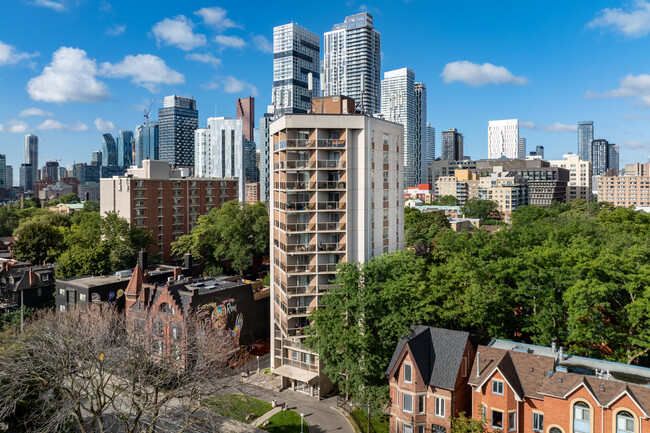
[[516, 387], [428, 377], [162, 201]]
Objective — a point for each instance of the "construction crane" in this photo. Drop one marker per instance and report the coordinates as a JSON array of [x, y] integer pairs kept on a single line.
[[147, 111]]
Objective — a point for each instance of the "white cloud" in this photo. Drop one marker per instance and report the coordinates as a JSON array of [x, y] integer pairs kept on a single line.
[[210, 85], [556, 127], [145, 70], [51, 124], [636, 86], [116, 31], [216, 17], [479, 75], [263, 44], [178, 31], [35, 112], [634, 144], [15, 127], [103, 125], [230, 41], [208, 58], [9, 55], [634, 22], [636, 117], [105, 6], [70, 77], [58, 6], [233, 85]]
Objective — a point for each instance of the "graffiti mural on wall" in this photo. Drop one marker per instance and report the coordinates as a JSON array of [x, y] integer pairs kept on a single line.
[[224, 317]]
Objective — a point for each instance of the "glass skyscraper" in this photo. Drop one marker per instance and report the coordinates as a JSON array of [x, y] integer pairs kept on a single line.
[[109, 150], [31, 154], [147, 141], [585, 137], [177, 121], [125, 148], [420, 133], [352, 53]]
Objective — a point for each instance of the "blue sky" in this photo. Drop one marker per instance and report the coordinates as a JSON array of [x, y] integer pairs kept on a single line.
[[71, 69]]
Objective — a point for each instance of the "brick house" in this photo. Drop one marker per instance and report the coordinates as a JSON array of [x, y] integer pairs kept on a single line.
[[428, 376], [23, 282], [526, 388]]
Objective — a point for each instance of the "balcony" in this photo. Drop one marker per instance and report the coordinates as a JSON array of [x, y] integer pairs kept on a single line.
[[300, 290], [298, 206], [300, 269], [331, 205], [336, 246], [295, 185], [300, 248], [298, 164], [331, 143], [300, 227], [332, 185], [300, 311], [333, 226], [295, 144], [331, 164], [299, 364], [329, 267]]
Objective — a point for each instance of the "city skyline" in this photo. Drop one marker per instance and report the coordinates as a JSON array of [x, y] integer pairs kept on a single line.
[[128, 54]]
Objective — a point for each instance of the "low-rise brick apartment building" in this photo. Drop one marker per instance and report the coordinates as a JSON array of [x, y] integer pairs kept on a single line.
[[524, 388], [161, 200], [630, 189]]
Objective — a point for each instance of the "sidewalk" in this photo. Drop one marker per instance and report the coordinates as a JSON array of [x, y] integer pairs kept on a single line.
[[266, 416]]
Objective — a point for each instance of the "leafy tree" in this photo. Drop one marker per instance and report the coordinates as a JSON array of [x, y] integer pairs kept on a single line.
[[465, 424], [33, 202], [70, 198], [420, 228], [233, 232], [38, 242], [476, 208], [91, 206], [445, 200]]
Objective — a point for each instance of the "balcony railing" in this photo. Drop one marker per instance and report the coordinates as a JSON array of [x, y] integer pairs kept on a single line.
[[300, 311], [297, 206], [300, 227], [331, 143], [299, 364], [333, 226], [300, 269], [300, 248], [295, 185], [329, 267], [331, 205], [331, 185], [295, 144], [331, 164], [334, 246], [300, 290], [297, 164]]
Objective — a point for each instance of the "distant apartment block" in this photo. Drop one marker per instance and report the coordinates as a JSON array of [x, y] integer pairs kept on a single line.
[[245, 108], [503, 139], [162, 201], [507, 188], [452, 145], [252, 193], [630, 189], [463, 185], [431, 144], [147, 142], [580, 180], [177, 121], [447, 167], [337, 196], [424, 192], [585, 137]]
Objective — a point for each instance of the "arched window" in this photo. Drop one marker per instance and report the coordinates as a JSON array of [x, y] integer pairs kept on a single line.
[[165, 308], [554, 430], [624, 422], [175, 331], [158, 327], [581, 418]]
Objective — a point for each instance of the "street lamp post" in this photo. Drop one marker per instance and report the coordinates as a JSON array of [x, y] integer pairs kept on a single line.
[[302, 416], [258, 363]]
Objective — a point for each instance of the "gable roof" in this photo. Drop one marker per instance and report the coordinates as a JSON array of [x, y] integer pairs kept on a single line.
[[437, 352]]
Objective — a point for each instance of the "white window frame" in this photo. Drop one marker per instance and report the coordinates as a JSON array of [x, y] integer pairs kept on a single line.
[[499, 384], [440, 406], [539, 425], [512, 426], [410, 376], [492, 419], [421, 403], [404, 400]]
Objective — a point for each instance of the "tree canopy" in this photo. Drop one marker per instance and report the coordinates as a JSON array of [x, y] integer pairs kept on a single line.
[[420, 228], [477, 208], [236, 232], [445, 200], [579, 273]]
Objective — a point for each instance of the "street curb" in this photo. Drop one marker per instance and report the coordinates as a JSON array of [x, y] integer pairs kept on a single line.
[[347, 418]]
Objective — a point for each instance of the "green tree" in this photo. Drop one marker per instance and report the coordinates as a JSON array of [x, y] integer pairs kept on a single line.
[[476, 208], [70, 198], [38, 242], [465, 424], [233, 232], [420, 228], [91, 206], [445, 200]]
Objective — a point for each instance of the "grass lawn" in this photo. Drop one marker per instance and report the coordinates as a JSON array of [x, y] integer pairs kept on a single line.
[[378, 423], [287, 421], [238, 406]]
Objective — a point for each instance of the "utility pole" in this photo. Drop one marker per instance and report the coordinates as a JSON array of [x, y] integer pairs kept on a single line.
[[22, 312]]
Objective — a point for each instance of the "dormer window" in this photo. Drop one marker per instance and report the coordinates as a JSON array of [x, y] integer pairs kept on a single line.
[[45, 277], [497, 387]]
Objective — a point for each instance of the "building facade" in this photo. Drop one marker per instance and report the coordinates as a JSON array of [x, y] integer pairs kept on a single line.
[[585, 137], [177, 121], [125, 148], [431, 144], [507, 188], [265, 155], [220, 151], [26, 177], [420, 131], [352, 62], [9, 178], [296, 55], [522, 147], [451, 145], [3, 171], [503, 139], [31, 154], [160, 200], [630, 189], [147, 142], [109, 150], [398, 105], [337, 196], [580, 179], [246, 113]]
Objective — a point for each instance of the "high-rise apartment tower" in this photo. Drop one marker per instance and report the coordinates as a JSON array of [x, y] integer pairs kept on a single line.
[[503, 139], [178, 119], [452, 145]]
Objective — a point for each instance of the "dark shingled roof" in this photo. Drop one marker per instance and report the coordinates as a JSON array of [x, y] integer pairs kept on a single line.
[[436, 352]]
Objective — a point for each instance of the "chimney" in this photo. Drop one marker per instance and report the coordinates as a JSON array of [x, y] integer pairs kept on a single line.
[[177, 273], [560, 353], [478, 364], [142, 260], [188, 263], [32, 277], [553, 344]]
